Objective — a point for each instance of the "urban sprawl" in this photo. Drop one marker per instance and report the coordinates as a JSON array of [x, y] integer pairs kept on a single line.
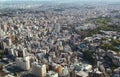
[[62, 40]]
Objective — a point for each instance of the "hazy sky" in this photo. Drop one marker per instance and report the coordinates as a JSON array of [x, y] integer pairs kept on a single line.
[[63, 0]]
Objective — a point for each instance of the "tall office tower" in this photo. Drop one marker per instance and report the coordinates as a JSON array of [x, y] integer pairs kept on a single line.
[[38, 69], [57, 27], [23, 63]]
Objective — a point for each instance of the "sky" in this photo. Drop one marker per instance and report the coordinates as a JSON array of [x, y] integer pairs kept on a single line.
[[3, 2], [63, 0]]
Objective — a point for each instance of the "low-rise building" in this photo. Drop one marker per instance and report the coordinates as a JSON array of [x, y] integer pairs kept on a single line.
[[52, 74]]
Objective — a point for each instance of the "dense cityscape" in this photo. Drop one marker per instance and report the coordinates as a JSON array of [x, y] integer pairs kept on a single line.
[[53, 39]]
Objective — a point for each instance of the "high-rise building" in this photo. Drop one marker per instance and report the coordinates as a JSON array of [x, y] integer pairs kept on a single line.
[[23, 63], [38, 70], [57, 27]]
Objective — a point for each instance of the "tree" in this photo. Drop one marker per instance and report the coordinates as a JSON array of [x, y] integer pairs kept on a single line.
[[88, 55], [1, 54], [1, 67], [106, 46], [116, 42]]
